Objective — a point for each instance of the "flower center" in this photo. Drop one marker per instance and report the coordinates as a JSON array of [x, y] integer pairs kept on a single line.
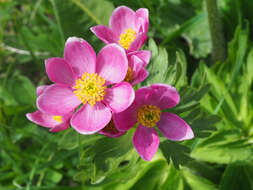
[[127, 38], [110, 127], [90, 88], [57, 118], [129, 75], [148, 115]]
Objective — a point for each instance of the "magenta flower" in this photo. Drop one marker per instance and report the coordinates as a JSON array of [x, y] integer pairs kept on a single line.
[[127, 28], [56, 123], [146, 111], [81, 78], [137, 62]]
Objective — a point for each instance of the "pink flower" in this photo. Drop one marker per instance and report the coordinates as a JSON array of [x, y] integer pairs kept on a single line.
[[56, 123], [127, 28], [137, 62], [81, 78], [146, 111]]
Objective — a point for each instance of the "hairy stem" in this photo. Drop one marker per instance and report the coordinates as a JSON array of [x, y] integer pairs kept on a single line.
[[217, 37]]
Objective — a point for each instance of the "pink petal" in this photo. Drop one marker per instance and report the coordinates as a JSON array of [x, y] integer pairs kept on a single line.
[[112, 64], [43, 119], [164, 96], [142, 95], [144, 55], [111, 131], [122, 18], [174, 128], [60, 127], [142, 75], [119, 97], [59, 71], [89, 120], [104, 33], [143, 13], [127, 119], [80, 55], [138, 68], [146, 142], [138, 42], [57, 100], [41, 89]]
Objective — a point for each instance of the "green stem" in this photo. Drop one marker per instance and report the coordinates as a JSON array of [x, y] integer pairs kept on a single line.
[[87, 11], [58, 21], [216, 32]]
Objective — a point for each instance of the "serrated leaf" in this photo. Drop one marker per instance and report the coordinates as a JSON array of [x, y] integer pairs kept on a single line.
[[237, 176], [178, 153]]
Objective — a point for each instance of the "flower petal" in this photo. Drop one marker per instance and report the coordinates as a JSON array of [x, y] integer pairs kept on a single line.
[[143, 13], [127, 119], [122, 18], [104, 33], [43, 119], [57, 100], [41, 89], [60, 127], [89, 120], [144, 55], [164, 96], [142, 75], [174, 128], [146, 142], [59, 71], [119, 97], [80, 55], [138, 42], [138, 68], [112, 64]]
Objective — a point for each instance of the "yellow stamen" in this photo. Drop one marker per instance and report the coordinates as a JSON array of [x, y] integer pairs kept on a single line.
[[57, 118], [90, 88], [127, 38], [129, 75], [148, 115]]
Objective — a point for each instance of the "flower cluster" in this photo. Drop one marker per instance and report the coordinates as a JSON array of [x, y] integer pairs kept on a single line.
[[94, 93]]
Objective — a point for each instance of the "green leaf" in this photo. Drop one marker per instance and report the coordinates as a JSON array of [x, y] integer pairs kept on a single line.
[[22, 90], [197, 182], [224, 147], [104, 156], [237, 176], [199, 40], [178, 153]]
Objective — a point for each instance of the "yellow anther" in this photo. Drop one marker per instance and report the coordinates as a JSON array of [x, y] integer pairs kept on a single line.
[[127, 38], [130, 75], [148, 115], [90, 88], [57, 118]]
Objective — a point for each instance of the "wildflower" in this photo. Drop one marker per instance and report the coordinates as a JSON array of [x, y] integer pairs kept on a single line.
[[137, 62], [81, 78], [147, 112], [127, 28], [56, 123]]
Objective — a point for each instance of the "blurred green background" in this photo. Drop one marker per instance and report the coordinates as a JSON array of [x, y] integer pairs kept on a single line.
[[216, 99]]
